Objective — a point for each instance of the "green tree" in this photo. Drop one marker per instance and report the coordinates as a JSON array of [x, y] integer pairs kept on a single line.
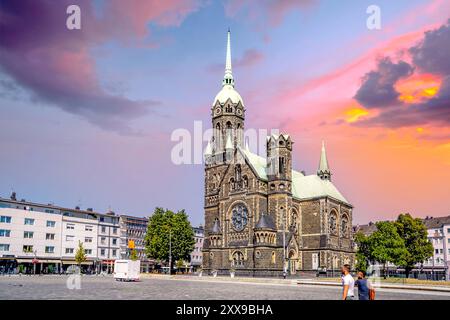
[[363, 257], [165, 227], [414, 235], [133, 255], [80, 255], [385, 245]]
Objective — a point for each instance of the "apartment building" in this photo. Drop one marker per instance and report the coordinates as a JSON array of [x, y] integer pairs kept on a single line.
[[30, 235], [36, 238], [196, 255], [439, 235], [108, 240], [79, 226], [132, 232]]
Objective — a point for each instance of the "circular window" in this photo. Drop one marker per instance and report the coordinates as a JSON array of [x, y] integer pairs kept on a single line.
[[258, 254], [239, 217]]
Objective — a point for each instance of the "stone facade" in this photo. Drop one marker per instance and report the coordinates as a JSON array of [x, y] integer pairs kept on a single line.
[[259, 216]]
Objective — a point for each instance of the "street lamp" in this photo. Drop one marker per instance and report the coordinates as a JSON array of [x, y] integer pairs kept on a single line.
[[170, 251], [284, 244]]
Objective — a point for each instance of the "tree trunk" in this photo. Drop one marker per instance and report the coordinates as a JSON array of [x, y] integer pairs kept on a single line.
[[407, 271], [384, 270]]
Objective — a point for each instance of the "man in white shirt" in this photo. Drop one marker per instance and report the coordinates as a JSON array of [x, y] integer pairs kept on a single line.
[[348, 283]]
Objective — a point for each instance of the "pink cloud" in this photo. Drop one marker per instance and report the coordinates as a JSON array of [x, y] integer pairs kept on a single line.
[[55, 65]]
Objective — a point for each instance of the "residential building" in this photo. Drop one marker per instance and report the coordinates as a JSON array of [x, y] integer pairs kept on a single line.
[[132, 233], [30, 235], [439, 235], [108, 240], [79, 226], [197, 255]]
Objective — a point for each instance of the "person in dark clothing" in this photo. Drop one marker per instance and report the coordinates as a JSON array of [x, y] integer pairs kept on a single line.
[[363, 286]]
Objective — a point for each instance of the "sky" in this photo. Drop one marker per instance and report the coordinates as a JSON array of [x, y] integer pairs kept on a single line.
[[86, 116]]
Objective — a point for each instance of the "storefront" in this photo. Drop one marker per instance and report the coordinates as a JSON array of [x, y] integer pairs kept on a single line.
[[71, 266], [107, 266], [8, 265]]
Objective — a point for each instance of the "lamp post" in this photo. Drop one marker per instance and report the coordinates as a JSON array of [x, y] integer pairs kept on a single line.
[[170, 252], [284, 244]]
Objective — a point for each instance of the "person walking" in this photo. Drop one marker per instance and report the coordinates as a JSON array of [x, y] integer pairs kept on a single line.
[[348, 283], [363, 285]]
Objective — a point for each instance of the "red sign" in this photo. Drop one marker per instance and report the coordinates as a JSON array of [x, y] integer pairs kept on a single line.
[[35, 261]]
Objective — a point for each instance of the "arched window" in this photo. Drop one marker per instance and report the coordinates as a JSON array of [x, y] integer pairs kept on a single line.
[[293, 222], [238, 259], [333, 222], [344, 226]]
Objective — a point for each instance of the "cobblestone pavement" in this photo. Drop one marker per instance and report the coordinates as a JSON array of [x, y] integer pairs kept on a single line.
[[99, 287]]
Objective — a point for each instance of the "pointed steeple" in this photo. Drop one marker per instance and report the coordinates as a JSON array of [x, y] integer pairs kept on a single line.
[[228, 77], [324, 170]]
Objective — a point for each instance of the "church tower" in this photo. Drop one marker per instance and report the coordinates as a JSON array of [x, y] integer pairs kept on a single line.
[[228, 114], [279, 175]]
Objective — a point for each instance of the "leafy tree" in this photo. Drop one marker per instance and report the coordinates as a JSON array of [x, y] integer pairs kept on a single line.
[[133, 255], [363, 257], [80, 255], [414, 235], [385, 245], [165, 227]]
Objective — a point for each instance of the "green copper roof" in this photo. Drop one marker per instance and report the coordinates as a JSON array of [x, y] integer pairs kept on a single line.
[[303, 187]]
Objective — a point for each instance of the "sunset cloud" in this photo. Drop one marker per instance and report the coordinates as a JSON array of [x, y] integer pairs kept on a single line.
[[426, 93], [55, 65]]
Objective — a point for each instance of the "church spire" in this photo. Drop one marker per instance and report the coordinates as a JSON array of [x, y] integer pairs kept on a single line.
[[324, 171], [228, 77]]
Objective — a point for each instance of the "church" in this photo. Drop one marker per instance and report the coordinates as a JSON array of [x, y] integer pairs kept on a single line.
[[262, 217]]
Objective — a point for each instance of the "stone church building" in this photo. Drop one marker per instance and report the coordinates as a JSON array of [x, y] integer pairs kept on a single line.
[[261, 216]]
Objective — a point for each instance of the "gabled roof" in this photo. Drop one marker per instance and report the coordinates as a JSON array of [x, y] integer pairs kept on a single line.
[[303, 187], [437, 222]]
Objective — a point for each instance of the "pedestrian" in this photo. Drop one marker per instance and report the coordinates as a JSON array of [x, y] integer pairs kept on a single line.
[[348, 283], [364, 286]]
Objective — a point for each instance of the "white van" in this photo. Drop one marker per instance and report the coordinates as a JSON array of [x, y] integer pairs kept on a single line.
[[127, 270]]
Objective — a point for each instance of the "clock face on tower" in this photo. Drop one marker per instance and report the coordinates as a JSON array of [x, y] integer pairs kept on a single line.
[[239, 217]]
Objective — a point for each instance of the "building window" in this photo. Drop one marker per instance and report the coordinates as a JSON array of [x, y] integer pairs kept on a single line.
[[49, 211], [103, 229], [103, 240], [5, 219], [27, 249], [114, 230], [50, 236], [4, 247], [114, 242], [238, 259], [88, 228], [51, 224], [88, 239], [70, 238], [102, 252], [49, 249], [333, 223], [88, 251], [69, 250], [29, 221], [5, 233], [70, 226], [114, 252], [28, 234], [436, 251]]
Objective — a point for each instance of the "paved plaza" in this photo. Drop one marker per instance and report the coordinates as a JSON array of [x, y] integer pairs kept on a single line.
[[154, 288]]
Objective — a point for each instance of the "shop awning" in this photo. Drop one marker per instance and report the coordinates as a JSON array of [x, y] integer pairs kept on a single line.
[[86, 263], [29, 260]]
